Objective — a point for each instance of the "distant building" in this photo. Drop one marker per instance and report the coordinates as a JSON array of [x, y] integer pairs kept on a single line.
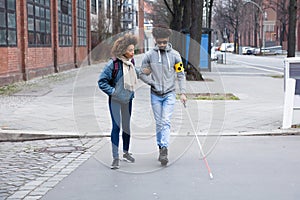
[[275, 26], [42, 37]]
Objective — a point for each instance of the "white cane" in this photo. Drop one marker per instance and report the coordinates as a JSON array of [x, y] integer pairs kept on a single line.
[[199, 144]]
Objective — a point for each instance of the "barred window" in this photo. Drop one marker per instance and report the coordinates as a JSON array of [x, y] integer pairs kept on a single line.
[[81, 23], [93, 6], [108, 9], [39, 23], [8, 25], [99, 5], [65, 22]]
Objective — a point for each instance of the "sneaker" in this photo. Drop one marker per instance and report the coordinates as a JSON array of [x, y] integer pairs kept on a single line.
[[127, 157], [163, 156], [115, 164]]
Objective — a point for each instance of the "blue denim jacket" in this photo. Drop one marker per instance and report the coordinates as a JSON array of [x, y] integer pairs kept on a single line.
[[114, 87]]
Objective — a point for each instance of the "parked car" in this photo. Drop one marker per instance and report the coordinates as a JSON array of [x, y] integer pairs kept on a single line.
[[247, 50], [274, 50], [230, 48], [227, 47], [260, 51], [214, 53]]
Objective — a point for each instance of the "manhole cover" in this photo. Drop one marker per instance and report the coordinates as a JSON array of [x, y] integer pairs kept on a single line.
[[61, 149]]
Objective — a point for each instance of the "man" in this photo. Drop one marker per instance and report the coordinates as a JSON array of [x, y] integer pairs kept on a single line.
[[160, 67]]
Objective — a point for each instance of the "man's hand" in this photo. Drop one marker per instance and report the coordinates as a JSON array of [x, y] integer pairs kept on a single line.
[[183, 99], [147, 71]]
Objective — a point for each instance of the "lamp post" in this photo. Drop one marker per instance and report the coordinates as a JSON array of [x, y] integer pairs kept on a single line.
[[263, 19]]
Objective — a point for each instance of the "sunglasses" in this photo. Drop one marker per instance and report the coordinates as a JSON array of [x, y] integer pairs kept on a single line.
[[162, 42]]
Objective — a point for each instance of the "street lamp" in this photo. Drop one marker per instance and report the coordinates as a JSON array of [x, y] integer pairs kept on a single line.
[[263, 19]]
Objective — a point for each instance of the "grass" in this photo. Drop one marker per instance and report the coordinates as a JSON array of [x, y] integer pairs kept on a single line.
[[9, 89], [277, 76], [210, 96]]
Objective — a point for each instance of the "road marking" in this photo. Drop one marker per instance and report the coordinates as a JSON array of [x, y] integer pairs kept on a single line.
[[254, 66]]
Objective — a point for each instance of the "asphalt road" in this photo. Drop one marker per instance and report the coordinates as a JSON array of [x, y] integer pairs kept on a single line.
[[247, 168], [254, 64]]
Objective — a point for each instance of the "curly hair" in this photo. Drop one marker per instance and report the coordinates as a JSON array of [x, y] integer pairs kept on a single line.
[[161, 31], [120, 46]]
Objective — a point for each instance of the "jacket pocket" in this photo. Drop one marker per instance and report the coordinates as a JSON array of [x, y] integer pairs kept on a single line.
[[121, 94]]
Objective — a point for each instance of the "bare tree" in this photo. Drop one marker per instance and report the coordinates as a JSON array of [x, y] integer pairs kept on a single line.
[[160, 13], [281, 8], [176, 12], [116, 15]]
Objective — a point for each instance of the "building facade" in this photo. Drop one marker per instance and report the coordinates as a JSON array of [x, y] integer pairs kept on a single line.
[[269, 27], [40, 37]]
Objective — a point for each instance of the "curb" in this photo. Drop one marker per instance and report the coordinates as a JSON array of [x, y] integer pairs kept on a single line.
[[20, 136]]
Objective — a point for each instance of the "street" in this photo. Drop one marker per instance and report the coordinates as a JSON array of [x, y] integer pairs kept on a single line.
[[253, 65]]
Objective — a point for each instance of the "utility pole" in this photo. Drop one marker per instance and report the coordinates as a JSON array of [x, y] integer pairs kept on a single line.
[[141, 25], [292, 28]]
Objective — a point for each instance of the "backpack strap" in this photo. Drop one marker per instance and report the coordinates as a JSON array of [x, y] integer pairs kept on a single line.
[[116, 66], [132, 61]]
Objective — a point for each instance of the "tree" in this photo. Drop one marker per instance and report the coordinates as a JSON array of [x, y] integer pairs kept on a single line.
[[231, 14], [281, 8], [185, 16], [292, 28], [176, 14]]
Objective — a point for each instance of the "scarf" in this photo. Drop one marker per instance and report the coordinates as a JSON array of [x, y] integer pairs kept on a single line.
[[129, 74]]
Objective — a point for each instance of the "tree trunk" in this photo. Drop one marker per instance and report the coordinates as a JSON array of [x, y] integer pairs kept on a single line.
[[177, 15], [292, 28], [186, 17], [195, 41]]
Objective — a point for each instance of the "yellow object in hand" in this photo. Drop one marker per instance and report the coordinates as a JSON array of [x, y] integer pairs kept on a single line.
[[179, 67]]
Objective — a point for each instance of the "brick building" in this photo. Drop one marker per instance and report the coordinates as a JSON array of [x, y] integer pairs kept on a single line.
[[271, 28], [40, 37]]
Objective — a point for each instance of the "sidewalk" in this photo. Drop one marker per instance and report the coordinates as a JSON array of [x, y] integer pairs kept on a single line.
[[72, 105]]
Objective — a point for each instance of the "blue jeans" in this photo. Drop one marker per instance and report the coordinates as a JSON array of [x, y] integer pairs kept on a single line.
[[163, 107], [120, 115]]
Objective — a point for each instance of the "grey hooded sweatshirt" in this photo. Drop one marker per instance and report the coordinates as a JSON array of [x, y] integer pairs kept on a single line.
[[160, 73]]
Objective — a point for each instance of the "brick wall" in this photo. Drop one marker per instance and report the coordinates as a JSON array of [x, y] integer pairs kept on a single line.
[[81, 55], [24, 63]]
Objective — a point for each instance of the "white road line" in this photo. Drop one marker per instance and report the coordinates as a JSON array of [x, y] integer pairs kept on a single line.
[[259, 68]]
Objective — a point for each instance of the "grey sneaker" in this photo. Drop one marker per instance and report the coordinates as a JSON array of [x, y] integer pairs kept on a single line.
[[127, 157], [163, 156], [115, 164]]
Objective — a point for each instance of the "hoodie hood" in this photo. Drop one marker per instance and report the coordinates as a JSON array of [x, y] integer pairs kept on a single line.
[[167, 49]]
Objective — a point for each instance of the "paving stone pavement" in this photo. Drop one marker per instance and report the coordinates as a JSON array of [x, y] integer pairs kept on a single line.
[[28, 170]]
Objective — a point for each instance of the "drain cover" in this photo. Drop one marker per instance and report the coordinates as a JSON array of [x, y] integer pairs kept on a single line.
[[61, 149]]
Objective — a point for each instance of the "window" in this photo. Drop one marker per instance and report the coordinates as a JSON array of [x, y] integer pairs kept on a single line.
[[39, 23], [108, 9], [99, 5], [81, 23], [93, 7], [65, 22], [8, 25]]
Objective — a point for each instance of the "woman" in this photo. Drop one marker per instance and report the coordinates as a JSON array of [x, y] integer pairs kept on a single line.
[[118, 80]]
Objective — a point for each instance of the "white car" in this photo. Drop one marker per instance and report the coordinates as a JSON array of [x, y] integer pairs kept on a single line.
[[227, 47], [247, 50], [214, 53]]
